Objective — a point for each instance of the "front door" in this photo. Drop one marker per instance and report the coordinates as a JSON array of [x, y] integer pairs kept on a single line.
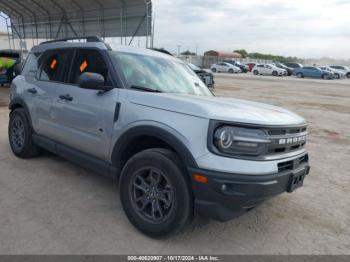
[[85, 117]]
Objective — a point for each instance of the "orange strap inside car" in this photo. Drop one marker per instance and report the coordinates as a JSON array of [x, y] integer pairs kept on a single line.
[[53, 64], [83, 66]]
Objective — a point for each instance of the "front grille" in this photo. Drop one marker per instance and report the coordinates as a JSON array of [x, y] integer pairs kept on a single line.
[[286, 140], [285, 166], [293, 164], [285, 131]]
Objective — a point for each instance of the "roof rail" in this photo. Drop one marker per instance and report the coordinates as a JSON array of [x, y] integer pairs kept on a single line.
[[86, 38]]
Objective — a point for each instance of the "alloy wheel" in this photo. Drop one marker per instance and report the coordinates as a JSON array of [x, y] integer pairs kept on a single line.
[[151, 195], [17, 133]]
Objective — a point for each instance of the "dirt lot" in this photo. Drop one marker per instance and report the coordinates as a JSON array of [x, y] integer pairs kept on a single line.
[[50, 206]]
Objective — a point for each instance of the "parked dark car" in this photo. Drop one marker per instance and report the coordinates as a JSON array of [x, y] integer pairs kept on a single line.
[[250, 66], [244, 68], [311, 71], [293, 65], [206, 77], [288, 69]]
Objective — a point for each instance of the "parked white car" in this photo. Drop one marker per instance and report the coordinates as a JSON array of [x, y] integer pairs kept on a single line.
[[269, 69], [225, 67], [337, 73], [344, 69]]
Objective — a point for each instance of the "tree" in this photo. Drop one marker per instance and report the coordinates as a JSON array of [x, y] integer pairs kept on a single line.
[[188, 53], [242, 52]]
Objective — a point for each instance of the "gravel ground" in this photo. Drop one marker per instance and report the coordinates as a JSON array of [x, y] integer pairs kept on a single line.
[[50, 206]]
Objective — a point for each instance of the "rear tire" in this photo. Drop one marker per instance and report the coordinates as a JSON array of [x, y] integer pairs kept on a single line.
[[348, 75], [155, 193], [325, 77], [20, 135], [213, 70], [256, 72], [337, 76], [300, 75]]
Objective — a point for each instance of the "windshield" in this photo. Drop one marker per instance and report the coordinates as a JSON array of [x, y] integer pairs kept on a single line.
[[158, 74]]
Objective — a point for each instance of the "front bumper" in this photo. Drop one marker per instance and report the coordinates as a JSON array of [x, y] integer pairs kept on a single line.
[[226, 196]]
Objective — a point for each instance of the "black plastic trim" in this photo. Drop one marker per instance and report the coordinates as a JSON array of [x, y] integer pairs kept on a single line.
[[226, 196], [156, 132], [90, 162], [19, 101], [116, 112]]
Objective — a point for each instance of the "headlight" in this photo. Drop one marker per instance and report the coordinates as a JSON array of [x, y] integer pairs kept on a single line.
[[240, 141]]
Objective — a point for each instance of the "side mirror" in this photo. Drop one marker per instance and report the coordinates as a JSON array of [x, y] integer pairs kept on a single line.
[[91, 81]]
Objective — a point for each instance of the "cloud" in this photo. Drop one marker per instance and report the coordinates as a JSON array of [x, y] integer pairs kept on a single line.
[[301, 28]]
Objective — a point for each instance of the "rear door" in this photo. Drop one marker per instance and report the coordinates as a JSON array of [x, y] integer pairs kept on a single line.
[[307, 72], [264, 69], [220, 67], [53, 67], [85, 120]]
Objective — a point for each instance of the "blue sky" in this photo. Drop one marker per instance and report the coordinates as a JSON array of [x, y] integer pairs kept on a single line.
[[307, 29]]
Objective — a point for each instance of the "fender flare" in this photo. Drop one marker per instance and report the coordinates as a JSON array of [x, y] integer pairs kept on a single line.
[[156, 132], [19, 101]]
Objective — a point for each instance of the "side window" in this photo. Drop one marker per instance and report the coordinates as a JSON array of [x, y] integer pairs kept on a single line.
[[54, 65], [31, 65], [87, 60]]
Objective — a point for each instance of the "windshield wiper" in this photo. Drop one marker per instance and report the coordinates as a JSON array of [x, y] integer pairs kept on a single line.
[[143, 88]]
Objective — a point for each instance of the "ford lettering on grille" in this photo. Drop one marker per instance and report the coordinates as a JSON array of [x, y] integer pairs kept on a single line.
[[291, 140]]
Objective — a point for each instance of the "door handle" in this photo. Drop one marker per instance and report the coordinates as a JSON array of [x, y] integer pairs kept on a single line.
[[32, 90], [66, 97]]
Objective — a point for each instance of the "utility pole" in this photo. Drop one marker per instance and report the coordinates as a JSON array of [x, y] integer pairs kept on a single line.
[[178, 49]]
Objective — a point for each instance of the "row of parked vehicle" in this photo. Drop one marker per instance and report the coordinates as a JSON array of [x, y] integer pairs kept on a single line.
[[300, 71], [282, 69]]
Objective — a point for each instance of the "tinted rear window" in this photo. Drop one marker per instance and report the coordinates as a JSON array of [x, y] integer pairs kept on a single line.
[[31, 64], [54, 65]]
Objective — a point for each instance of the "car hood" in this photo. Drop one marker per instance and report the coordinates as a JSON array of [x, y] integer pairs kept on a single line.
[[217, 108]]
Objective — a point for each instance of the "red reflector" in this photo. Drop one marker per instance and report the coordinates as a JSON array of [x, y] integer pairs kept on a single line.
[[200, 179]]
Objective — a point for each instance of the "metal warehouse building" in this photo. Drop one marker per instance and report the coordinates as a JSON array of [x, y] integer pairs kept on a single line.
[[51, 19]]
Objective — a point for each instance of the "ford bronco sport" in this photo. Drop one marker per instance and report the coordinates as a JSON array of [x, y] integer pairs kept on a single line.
[[146, 119]]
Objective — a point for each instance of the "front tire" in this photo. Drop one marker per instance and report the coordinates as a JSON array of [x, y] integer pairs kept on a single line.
[[325, 77], [274, 73], [231, 71], [20, 135], [348, 75], [155, 193]]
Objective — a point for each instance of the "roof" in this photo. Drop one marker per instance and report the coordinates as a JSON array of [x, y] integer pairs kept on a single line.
[[101, 45], [223, 54], [50, 19]]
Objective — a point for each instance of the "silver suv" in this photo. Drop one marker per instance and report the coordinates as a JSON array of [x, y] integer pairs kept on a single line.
[[146, 119]]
